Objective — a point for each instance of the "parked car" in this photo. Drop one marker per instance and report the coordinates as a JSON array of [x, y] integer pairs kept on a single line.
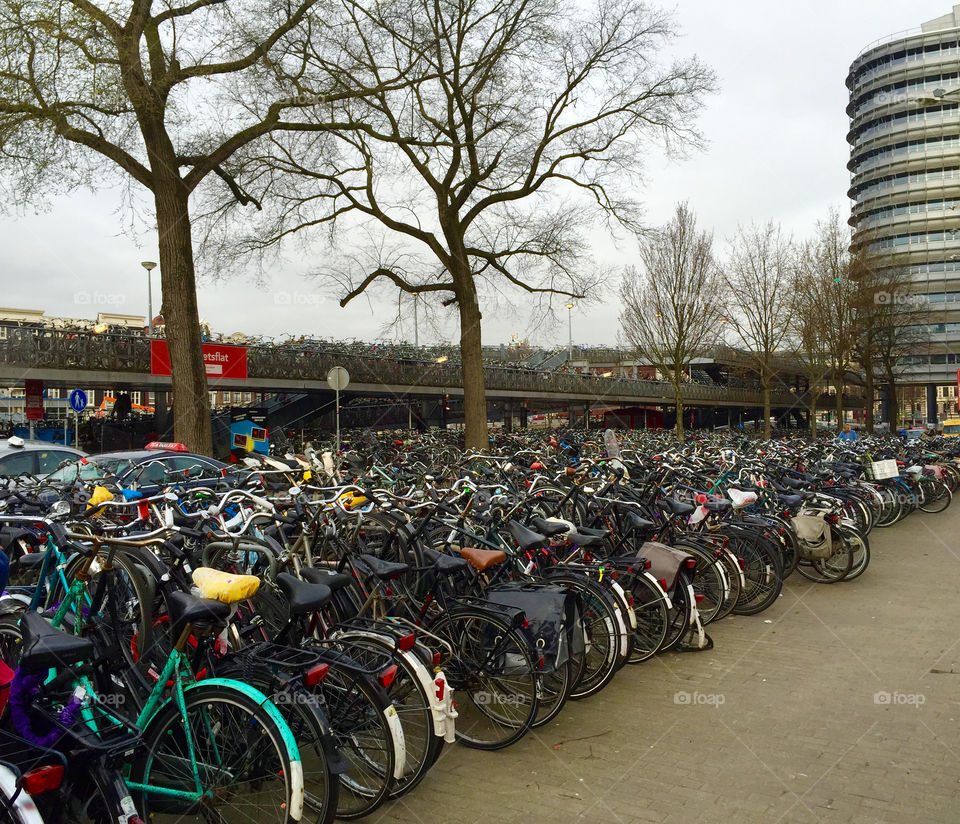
[[147, 470], [37, 458]]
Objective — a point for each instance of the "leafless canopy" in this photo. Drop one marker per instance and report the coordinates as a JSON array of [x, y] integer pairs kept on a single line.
[[758, 278], [523, 122], [673, 306]]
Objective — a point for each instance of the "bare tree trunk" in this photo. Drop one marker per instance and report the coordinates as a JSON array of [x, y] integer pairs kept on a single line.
[[766, 405], [471, 360], [191, 403], [840, 386], [893, 411], [868, 391], [678, 396], [813, 413]]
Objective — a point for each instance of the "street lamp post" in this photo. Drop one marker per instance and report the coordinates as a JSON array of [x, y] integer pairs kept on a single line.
[[416, 325], [569, 307], [149, 265]]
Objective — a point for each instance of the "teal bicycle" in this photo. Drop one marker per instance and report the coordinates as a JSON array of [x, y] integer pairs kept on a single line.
[[217, 749]]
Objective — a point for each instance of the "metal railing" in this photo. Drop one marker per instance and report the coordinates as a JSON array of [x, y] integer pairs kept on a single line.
[[32, 349]]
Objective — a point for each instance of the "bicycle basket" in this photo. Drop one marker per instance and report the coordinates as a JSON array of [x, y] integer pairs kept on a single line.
[[546, 610], [813, 537]]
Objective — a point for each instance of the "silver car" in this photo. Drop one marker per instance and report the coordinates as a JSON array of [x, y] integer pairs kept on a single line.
[[36, 458]]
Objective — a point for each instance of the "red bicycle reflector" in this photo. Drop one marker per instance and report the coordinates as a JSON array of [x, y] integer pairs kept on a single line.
[[536, 465], [699, 598], [143, 511], [386, 677], [690, 563], [663, 583], [43, 779], [171, 446], [743, 563], [701, 498], [647, 564], [315, 675], [441, 685], [407, 642], [436, 659]]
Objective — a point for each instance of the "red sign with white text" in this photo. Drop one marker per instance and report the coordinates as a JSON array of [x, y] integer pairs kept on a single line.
[[33, 390], [222, 362]]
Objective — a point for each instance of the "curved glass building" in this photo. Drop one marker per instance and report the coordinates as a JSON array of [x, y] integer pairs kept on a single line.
[[905, 174]]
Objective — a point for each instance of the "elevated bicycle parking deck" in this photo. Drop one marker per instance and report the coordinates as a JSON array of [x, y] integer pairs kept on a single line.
[[71, 358]]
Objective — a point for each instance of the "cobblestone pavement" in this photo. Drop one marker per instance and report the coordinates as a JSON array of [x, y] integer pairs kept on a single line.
[[838, 704]]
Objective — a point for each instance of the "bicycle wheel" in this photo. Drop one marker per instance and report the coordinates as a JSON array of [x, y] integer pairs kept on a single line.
[[367, 733], [127, 604], [650, 607], [859, 547], [10, 640], [493, 675], [735, 580], [936, 495], [763, 575], [246, 761], [412, 703], [301, 710], [709, 580], [603, 636]]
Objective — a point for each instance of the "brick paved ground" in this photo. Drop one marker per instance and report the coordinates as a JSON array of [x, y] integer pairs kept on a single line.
[[801, 734]]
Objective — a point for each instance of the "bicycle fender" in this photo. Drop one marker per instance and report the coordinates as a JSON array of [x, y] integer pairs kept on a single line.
[[14, 602], [295, 812]]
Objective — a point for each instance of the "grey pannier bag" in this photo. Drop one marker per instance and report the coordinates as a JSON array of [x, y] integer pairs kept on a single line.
[[813, 537]]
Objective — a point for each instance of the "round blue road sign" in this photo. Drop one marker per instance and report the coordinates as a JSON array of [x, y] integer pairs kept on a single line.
[[77, 400]]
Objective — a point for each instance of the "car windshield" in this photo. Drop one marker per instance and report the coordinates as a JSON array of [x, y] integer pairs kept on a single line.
[[951, 428], [92, 469]]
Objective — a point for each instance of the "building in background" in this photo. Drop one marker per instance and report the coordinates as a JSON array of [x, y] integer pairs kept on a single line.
[[905, 178]]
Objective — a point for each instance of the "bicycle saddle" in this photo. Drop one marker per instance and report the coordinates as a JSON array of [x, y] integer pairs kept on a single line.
[[790, 500], [548, 528], [45, 647], [188, 609], [718, 506], [526, 538], [675, 507], [334, 580], [596, 532], [301, 596], [443, 562], [637, 522], [384, 570], [584, 540], [741, 498], [225, 587], [482, 559]]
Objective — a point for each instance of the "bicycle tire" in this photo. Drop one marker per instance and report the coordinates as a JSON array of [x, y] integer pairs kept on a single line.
[[260, 743], [492, 672]]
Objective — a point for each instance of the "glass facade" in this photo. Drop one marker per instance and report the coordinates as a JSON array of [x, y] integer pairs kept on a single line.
[[904, 108]]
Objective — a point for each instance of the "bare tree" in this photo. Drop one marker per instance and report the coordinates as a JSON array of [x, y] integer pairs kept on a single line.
[[758, 278], [829, 259], [159, 95], [809, 328], [673, 305], [892, 324], [526, 121]]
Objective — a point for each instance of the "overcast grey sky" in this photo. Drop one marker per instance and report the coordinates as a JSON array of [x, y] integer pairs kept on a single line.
[[777, 149]]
